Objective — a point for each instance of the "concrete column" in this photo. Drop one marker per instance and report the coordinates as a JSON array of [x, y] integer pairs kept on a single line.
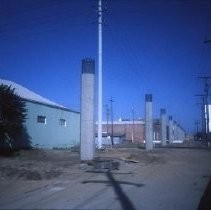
[[175, 131], [148, 122], [183, 134], [163, 127], [87, 134], [171, 131], [179, 133]]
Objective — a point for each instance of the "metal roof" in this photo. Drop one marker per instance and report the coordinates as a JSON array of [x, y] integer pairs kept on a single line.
[[28, 95]]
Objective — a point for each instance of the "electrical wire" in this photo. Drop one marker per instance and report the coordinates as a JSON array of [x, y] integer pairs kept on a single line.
[[205, 54], [43, 22]]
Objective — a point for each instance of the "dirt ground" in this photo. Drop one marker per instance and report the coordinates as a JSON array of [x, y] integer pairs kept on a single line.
[[39, 164], [119, 178]]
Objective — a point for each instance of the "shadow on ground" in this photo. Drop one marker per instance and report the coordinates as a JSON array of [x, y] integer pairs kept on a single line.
[[205, 202], [121, 195]]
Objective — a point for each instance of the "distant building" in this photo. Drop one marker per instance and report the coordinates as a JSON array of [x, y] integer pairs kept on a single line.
[[125, 131], [49, 124], [128, 131]]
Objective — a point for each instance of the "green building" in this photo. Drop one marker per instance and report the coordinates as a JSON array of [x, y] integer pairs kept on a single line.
[[48, 124]]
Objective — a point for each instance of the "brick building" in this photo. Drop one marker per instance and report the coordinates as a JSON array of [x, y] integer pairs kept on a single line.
[[128, 131]]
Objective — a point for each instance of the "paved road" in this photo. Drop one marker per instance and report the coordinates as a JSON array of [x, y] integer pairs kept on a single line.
[[175, 180]]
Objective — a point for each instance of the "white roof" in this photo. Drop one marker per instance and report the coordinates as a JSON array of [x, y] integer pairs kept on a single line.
[[27, 94]]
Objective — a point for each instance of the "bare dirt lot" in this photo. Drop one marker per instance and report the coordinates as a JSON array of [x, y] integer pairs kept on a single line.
[[119, 178]]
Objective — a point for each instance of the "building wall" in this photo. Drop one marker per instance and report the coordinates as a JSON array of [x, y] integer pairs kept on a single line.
[[126, 129], [52, 133]]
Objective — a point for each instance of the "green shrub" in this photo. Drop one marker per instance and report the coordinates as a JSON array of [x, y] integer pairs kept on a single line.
[[13, 134]]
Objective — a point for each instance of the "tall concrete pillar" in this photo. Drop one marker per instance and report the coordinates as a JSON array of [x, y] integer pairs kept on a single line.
[[171, 131], [87, 132], [179, 133], [183, 134], [148, 122], [175, 131], [163, 125]]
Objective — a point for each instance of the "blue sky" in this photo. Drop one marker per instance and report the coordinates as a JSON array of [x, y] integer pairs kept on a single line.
[[149, 46]]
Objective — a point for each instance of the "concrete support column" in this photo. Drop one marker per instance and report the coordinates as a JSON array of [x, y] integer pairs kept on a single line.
[[163, 125], [148, 122], [87, 132], [183, 134], [179, 133], [175, 131], [171, 131]]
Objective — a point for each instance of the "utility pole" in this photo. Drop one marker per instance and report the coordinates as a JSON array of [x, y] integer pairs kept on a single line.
[[112, 122], [206, 94], [107, 116], [206, 91], [100, 74], [133, 124], [197, 126], [203, 115], [203, 123]]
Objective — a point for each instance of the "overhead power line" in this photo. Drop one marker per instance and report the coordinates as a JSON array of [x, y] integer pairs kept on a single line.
[[39, 21]]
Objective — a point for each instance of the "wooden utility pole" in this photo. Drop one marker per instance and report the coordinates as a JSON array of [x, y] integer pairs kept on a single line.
[[107, 116], [203, 115], [206, 94], [197, 126], [112, 121], [133, 125]]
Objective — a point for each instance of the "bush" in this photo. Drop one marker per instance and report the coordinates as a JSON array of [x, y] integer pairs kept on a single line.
[[13, 134]]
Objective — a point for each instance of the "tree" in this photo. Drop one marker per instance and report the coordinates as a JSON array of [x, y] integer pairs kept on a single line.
[[13, 112]]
